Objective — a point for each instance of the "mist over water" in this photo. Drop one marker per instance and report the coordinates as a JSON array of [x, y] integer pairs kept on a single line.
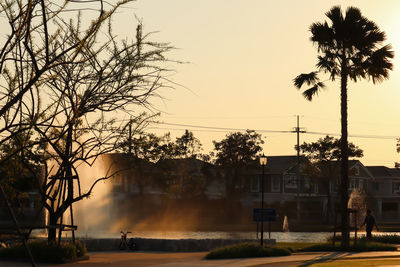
[[115, 205], [93, 215], [357, 202]]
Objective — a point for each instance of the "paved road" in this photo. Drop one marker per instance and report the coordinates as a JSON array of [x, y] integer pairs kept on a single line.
[[163, 259]]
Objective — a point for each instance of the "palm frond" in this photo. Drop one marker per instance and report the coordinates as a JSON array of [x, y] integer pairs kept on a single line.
[[353, 15], [326, 63], [335, 15], [379, 64], [308, 78], [311, 92], [322, 35]]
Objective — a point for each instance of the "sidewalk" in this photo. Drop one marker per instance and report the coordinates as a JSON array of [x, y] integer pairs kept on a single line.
[[163, 259]]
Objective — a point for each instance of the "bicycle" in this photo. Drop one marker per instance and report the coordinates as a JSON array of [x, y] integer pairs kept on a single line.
[[125, 243]]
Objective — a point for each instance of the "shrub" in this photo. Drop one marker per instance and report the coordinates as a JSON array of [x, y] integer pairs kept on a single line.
[[390, 239], [44, 251], [246, 250], [360, 247], [80, 249]]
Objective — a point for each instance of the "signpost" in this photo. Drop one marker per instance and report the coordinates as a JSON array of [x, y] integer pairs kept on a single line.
[[265, 215]]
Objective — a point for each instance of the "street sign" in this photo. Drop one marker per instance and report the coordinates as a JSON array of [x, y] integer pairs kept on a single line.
[[264, 215]]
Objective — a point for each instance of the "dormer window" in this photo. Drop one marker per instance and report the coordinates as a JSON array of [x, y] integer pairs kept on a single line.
[[290, 181], [357, 170]]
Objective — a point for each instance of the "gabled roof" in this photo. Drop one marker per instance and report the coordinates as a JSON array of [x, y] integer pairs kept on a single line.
[[384, 172], [364, 171], [380, 171], [185, 162], [126, 162], [280, 164], [336, 163]]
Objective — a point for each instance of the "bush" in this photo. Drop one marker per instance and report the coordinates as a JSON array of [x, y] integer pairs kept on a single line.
[[80, 249], [360, 247], [246, 250], [45, 252], [389, 239]]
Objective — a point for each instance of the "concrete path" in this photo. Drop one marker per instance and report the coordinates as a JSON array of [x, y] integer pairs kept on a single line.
[[163, 259]]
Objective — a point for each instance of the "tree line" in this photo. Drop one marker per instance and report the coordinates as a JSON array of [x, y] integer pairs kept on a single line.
[[64, 81]]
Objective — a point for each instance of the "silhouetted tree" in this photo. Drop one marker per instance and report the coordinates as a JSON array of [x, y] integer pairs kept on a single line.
[[350, 47], [145, 150], [187, 145], [19, 171], [235, 156], [322, 154], [110, 80]]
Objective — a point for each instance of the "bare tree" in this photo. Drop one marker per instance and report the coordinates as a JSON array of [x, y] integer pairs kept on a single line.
[[63, 81], [36, 43], [109, 80]]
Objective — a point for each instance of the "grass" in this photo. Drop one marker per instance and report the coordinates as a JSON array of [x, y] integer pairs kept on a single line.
[[358, 263], [246, 250], [294, 246], [45, 252]]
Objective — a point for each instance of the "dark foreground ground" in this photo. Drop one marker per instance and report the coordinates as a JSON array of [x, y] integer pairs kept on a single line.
[[162, 259]]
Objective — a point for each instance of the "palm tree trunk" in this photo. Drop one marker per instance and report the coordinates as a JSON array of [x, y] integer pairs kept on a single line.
[[344, 157]]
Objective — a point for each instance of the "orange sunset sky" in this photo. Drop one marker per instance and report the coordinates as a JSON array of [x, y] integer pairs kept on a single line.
[[242, 57]]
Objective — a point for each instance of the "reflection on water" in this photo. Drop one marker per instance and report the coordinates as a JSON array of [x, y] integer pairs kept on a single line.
[[279, 236]]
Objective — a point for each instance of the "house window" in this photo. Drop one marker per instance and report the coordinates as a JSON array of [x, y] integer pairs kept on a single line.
[[290, 181], [310, 186], [376, 186], [361, 184], [315, 188], [276, 184], [117, 183], [307, 183], [396, 187], [352, 184], [255, 184], [333, 186], [357, 170]]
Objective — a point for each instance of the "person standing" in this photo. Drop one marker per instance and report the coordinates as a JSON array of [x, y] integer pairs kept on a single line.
[[369, 222]]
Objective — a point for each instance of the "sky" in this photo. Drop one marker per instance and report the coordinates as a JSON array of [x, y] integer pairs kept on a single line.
[[241, 59]]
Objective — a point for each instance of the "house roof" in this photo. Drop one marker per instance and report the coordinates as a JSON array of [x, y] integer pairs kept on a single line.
[[336, 163], [185, 162], [384, 172], [363, 171], [380, 171], [280, 164]]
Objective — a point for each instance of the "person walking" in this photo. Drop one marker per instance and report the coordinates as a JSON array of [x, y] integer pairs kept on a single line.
[[369, 222]]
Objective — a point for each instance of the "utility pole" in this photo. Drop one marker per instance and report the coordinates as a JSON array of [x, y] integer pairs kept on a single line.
[[130, 137], [298, 130]]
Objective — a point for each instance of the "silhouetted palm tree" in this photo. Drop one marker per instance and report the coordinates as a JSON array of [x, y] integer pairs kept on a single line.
[[350, 47]]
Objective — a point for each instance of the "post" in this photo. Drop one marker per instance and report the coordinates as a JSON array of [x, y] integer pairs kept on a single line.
[[130, 137], [72, 223], [257, 229], [298, 130], [262, 207], [355, 227], [269, 229]]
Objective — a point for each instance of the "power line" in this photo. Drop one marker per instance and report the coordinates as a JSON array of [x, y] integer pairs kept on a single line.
[[278, 131], [220, 128], [358, 135]]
